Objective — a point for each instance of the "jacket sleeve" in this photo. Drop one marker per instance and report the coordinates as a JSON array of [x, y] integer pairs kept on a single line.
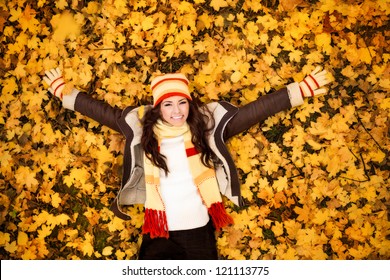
[[262, 108], [97, 110]]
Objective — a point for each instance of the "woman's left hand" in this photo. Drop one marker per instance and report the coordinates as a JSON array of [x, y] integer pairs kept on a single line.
[[313, 84]]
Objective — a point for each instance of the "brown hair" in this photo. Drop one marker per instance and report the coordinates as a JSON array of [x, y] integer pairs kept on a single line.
[[200, 125]]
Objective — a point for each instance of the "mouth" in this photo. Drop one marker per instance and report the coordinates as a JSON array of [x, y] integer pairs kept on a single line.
[[177, 117]]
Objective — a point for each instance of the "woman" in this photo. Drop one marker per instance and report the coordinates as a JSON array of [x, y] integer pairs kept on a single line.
[[175, 159]]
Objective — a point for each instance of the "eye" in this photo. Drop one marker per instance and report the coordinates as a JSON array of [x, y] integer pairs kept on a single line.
[[183, 102]]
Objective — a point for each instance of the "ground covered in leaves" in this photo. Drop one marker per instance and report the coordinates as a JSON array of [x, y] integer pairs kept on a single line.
[[315, 179]]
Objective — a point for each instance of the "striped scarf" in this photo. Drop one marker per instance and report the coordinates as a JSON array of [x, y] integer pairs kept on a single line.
[[155, 221]]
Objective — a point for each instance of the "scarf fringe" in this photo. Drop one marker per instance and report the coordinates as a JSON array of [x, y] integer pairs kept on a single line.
[[219, 216], [155, 223]]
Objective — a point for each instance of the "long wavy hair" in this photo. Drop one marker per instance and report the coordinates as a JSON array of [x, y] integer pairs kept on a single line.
[[200, 123]]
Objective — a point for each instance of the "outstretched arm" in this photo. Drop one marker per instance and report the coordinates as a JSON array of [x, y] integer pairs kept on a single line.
[[98, 110], [270, 104]]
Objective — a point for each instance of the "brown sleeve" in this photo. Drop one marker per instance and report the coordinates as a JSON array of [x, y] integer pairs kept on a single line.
[[257, 111], [97, 110]]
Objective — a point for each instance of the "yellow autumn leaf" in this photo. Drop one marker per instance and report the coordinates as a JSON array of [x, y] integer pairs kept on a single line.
[[79, 175], [218, 4], [116, 224], [4, 238], [366, 54], [26, 177], [147, 23], [107, 251], [44, 232], [9, 86], [321, 216], [56, 200], [316, 146], [385, 104], [236, 76], [92, 7], [280, 184], [277, 229], [303, 212], [87, 245], [22, 238], [65, 27], [61, 219], [323, 40]]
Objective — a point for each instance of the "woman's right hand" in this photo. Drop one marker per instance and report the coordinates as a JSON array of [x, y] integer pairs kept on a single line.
[[55, 81]]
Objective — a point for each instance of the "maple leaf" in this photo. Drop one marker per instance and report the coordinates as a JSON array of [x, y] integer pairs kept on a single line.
[[295, 55], [147, 23], [218, 4], [75, 174], [204, 21], [92, 7], [304, 213], [26, 177], [22, 238], [86, 245], [92, 216], [28, 21], [5, 160], [44, 231], [289, 5], [56, 200], [321, 216], [277, 229], [116, 224], [65, 27], [280, 184], [61, 4], [323, 41]]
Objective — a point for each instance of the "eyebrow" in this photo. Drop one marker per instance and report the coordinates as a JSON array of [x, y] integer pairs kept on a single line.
[[169, 101]]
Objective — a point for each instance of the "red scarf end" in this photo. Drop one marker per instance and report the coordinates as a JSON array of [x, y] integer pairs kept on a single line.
[[219, 216], [155, 223]]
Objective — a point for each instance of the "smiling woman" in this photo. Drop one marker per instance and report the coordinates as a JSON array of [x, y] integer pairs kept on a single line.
[[174, 110]]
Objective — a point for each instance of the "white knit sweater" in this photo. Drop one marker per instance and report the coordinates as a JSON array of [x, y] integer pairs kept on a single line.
[[184, 206]]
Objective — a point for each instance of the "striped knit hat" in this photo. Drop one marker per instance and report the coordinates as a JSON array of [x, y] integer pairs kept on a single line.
[[169, 85]]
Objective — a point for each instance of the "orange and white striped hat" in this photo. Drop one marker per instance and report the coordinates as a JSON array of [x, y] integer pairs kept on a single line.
[[168, 85]]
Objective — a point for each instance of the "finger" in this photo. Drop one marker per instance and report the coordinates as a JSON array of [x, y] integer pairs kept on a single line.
[[324, 80], [320, 91], [49, 75], [317, 69], [54, 73], [322, 73], [321, 81], [58, 71], [47, 81]]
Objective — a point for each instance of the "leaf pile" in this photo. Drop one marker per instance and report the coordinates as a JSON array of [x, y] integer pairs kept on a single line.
[[315, 178]]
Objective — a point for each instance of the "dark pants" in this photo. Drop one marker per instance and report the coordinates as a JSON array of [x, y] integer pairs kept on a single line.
[[193, 244]]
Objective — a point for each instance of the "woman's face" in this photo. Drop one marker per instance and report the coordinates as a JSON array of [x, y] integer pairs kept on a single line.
[[174, 110]]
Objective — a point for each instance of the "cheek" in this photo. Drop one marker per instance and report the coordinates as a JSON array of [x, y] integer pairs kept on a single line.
[[186, 110], [164, 112]]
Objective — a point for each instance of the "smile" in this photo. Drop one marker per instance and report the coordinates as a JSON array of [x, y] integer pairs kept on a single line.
[[177, 117]]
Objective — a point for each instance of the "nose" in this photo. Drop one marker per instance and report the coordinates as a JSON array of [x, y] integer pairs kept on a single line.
[[176, 109]]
